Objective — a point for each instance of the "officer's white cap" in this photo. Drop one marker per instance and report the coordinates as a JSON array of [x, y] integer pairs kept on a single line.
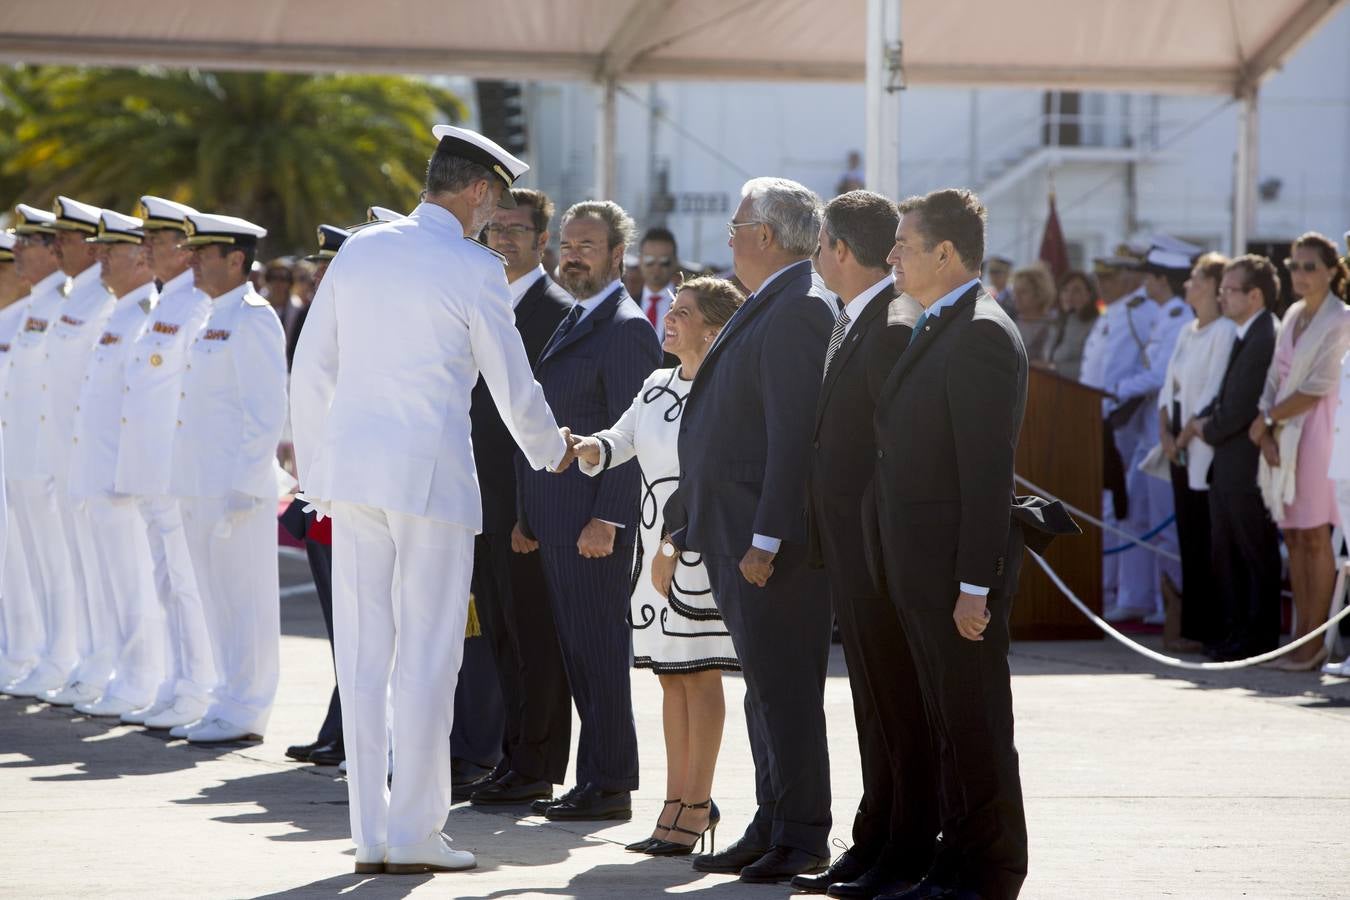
[[473, 146], [72, 215], [1168, 260], [383, 214], [160, 214], [32, 220], [116, 228], [7, 241], [209, 228]]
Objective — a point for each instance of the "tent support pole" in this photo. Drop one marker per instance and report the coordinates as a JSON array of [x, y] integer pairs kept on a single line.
[[881, 156], [1244, 171], [605, 133]]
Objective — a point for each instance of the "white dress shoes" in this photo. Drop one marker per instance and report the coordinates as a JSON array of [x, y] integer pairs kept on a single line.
[[432, 855], [12, 671], [370, 860], [39, 681], [138, 716], [73, 693], [113, 707], [219, 731], [181, 713]]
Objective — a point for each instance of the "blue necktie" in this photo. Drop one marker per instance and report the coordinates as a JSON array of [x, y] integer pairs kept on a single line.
[[566, 325], [918, 327]]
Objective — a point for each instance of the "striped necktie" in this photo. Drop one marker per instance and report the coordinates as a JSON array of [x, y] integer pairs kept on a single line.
[[836, 338], [566, 325]]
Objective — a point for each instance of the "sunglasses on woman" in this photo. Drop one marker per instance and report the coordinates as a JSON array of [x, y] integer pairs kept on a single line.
[[1308, 267]]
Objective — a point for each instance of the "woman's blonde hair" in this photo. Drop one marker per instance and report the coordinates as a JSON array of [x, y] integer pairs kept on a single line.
[[718, 299], [1041, 282]]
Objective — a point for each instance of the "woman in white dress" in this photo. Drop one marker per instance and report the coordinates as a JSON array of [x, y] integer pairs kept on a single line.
[[677, 630]]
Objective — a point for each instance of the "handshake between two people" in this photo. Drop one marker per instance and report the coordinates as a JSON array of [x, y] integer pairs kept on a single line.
[[582, 447]]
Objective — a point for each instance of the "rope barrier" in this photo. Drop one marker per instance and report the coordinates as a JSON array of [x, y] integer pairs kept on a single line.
[[1082, 514], [1146, 536], [1172, 660]]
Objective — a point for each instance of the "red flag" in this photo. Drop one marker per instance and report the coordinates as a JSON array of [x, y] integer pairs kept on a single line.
[[1054, 252]]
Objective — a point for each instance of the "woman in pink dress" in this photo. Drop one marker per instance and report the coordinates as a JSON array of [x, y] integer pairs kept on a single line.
[[1295, 430]]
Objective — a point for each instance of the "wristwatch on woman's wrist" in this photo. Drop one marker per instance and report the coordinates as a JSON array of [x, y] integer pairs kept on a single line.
[[667, 549], [1270, 422]]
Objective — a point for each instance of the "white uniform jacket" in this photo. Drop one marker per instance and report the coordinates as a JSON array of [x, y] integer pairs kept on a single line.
[[407, 316], [1147, 380], [21, 405], [12, 318], [70, 343], [93, 453], [233, 401], [154, 380]]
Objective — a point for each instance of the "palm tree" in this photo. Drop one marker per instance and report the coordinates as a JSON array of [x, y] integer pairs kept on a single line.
[[287, 151]]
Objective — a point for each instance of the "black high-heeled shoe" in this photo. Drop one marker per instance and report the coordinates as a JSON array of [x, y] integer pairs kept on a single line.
[[674, 848], [642, 845]]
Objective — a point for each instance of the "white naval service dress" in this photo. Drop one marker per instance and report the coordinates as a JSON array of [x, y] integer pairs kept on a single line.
[[1141, 570], [20, 616], [134, 638], [69, 345], [404, 321], [150, 407], [232, 409], [35, 532]]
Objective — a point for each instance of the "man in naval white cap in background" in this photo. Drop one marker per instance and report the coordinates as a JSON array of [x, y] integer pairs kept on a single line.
[[130, 626], [233, 409], [1139, 589], [70, 343], [408, 315], [150, 400], [35, 522]]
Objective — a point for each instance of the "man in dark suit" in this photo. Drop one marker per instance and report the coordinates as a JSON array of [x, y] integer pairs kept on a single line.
[[745, 442], [509, 588], [591, 369], [1244, 542], [896, 826], [947, 422], [658, 261]]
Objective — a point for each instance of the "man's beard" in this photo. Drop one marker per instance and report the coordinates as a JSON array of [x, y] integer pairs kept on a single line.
[[581, 283], [483, 214]]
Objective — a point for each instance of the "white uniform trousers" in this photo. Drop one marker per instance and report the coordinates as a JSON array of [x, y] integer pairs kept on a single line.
[[19, 607], [98, 635], [51, 573], [400, 602], [239, 584], [123, 556], [1141, 571], [189, 666]]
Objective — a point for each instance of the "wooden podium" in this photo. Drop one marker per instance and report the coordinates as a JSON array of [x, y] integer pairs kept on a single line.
[[1060, 450]]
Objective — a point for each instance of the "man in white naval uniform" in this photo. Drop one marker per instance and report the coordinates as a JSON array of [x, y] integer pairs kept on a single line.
[[407, 317], [70, 343], [134, 636], [35, 526], [1139, 591], [18, 636], [150, 405], [224, 453]]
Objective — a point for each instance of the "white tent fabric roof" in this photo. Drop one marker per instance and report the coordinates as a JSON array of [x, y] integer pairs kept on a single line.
[[1148, 45]]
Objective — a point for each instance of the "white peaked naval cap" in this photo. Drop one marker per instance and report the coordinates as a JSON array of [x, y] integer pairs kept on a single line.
[[209, 228], [116, 228], [473, 146], [159, 214]]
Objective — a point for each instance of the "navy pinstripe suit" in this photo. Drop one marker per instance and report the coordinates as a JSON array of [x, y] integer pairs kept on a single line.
[[590, 377], [745, 453]]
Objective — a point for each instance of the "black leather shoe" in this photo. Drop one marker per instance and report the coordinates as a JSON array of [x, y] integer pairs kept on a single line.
[[513, 787], [731, 860], [300, 752], [927, 890], [880, 879], [539, 807], [591, 804], [328, 754], [846, 868], [781, 864]]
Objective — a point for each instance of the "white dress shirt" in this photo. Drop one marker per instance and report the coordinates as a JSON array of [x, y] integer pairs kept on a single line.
[[663, 299], [522, 285], [1194, 376], [855, 307]]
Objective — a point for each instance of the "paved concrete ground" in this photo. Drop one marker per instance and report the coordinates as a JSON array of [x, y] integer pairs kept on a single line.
[[1140, 782]]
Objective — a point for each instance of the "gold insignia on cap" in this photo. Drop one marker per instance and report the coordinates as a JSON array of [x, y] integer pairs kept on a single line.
[[156, 360]]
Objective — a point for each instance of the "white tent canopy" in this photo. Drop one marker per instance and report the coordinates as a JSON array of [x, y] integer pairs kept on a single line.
[[1212, 46], [1138, 45]]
